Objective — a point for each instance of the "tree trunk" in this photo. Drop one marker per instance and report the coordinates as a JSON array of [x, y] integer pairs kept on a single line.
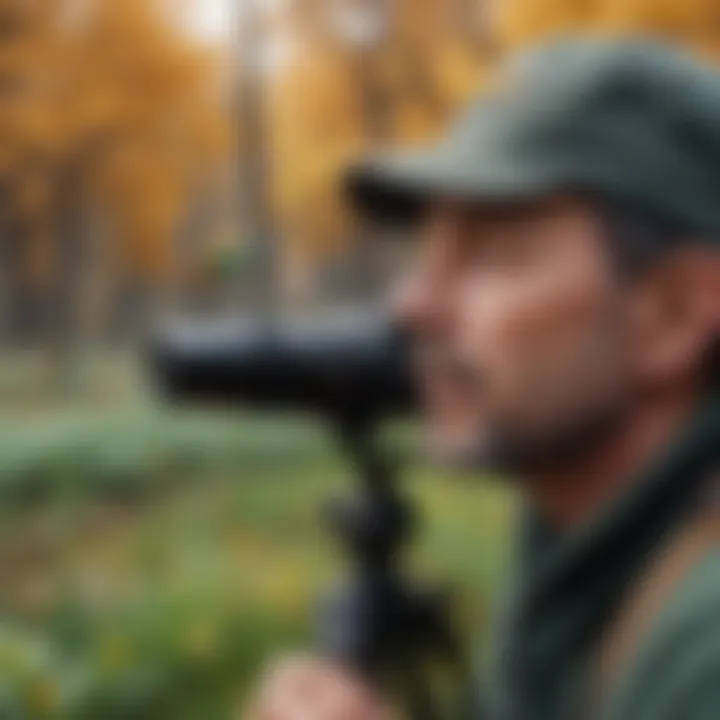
[[255, 213], [74, 306]]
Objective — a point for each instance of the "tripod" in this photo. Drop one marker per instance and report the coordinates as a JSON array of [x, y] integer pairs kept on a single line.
[[380, 623]]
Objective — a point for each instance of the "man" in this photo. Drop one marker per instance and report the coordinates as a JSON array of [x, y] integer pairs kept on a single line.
[[566, 310]]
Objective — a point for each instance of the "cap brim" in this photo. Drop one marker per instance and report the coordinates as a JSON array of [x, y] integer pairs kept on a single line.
[[395, 189]]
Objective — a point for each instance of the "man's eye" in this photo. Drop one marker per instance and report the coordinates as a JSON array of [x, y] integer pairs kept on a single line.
[[500, 255]]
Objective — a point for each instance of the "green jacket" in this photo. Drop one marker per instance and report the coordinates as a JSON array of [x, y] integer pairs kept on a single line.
[[568, 588], [677, 672]]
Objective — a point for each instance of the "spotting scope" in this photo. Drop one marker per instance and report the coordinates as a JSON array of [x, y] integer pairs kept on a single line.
[[353, 371], [345, 367]]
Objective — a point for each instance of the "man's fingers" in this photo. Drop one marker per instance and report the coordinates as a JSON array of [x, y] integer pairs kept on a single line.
[[304, 688]]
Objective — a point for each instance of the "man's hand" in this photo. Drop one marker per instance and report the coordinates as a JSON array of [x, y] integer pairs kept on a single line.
[[302, 688]]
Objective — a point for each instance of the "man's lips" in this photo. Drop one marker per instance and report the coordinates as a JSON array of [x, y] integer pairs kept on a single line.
[[440, 369]]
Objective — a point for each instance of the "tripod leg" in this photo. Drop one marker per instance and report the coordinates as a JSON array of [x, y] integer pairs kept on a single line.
[[418, 695], [380, 621]]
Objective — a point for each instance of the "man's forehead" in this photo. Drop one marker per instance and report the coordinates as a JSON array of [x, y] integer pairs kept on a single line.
[[556, 207], [567, 232]]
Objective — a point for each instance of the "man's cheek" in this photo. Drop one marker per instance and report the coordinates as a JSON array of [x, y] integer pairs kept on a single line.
[[490, 343], [491, 319], [557, 368]]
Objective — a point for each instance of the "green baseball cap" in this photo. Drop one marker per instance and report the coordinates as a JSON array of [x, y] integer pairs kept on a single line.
[[634, 120]]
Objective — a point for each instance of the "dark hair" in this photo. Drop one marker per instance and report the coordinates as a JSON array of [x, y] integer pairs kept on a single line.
[[712, 367], [638, 240]]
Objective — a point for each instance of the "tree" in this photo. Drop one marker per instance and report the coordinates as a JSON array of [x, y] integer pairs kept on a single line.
[[111, 121], [692, 22], [348, 87]]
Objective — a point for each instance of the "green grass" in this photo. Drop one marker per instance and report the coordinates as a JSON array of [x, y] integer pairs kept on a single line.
[[151, 563]]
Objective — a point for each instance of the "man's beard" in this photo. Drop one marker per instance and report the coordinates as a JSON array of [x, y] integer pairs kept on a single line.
[[500, 446], [499, 450]]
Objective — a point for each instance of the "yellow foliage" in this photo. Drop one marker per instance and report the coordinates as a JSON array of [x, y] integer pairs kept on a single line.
[[333, 101], [519, 22], [117, 100], [693, 22], [315, 125], [111, 104]]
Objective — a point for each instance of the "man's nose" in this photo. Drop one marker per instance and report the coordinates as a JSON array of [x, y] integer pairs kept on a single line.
[[418, 303]]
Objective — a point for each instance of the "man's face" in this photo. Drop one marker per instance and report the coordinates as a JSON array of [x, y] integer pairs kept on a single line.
[[517, 315]]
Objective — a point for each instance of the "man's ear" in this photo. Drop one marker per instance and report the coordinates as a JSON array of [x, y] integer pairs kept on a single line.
[[675, 315]]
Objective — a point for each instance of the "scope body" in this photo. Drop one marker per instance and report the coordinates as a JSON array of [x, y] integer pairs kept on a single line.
[[348, 368]]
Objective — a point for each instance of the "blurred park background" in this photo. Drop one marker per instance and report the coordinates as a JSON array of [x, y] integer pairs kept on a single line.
[[181, 156]]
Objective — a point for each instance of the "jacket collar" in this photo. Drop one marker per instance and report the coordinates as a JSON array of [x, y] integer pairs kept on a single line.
[[571, 584]]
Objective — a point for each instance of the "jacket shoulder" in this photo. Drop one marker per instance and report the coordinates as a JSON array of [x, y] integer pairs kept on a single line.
[[675, 671]]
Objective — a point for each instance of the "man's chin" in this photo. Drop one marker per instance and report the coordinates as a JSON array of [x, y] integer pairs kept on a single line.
[[495, 449], [462, 451]]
